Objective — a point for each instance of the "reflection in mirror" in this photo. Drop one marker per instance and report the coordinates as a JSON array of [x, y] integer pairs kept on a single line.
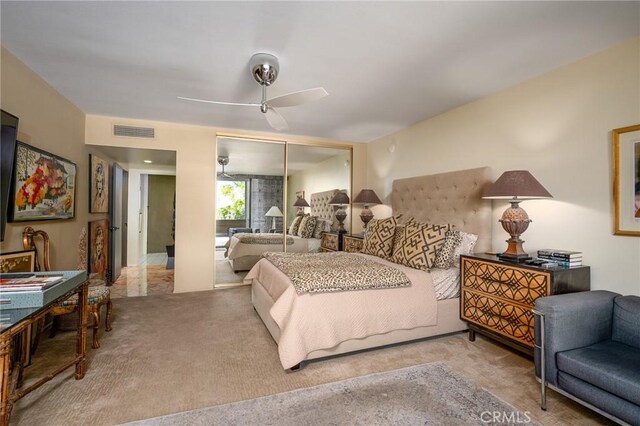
[[316, 173], [249, 205]]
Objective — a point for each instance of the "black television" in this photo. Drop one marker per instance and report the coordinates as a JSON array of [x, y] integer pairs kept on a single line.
[[7, 157]]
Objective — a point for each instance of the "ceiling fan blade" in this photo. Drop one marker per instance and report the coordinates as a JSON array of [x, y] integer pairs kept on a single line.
[[275, 119], [297, 98], [216, 102]]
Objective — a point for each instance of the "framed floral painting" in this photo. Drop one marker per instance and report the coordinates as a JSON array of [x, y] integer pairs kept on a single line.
[[98, 185], [626, 180], [43, 185]]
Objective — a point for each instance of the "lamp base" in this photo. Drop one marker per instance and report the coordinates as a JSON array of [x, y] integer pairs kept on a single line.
[[366, 215], [515, 221], [341, 215], [514, 252]]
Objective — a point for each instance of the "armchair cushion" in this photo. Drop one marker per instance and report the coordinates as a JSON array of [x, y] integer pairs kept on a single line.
[[572, 321], [97, 295], [626, 320], [593, 365]]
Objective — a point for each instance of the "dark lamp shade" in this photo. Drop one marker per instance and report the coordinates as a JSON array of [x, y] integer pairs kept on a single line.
[[516, 184], [301, 202], [367, 196], [339, 199]]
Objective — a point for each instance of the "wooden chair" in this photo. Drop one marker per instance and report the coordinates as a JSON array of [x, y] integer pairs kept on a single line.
[[98, 295]]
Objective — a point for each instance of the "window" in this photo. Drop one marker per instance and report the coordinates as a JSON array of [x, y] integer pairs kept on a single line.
[[231, 200]]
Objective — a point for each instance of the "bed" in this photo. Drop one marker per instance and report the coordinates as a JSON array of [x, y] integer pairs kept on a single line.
[[245, 250], [453, 197]]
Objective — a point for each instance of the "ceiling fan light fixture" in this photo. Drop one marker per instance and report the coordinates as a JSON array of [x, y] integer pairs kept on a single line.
[[264, 68]]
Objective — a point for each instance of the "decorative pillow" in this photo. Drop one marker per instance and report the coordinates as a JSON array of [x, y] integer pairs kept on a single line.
[[307, 226], [378, 239], [444, 256], [295, 225], [465, 247], [322, 225], [418, 243]]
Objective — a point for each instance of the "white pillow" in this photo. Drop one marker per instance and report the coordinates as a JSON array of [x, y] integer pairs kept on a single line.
[[466, 246]]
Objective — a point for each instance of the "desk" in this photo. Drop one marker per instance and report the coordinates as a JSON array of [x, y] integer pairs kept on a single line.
[[13, 328]]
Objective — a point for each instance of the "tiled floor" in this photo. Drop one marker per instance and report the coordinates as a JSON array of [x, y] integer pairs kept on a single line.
[[149, 278]]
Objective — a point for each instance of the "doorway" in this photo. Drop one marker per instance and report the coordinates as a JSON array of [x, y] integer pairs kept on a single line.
[[143, 272]]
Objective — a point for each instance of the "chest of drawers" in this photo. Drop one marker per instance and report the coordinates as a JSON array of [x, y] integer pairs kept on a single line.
[[497, 298]]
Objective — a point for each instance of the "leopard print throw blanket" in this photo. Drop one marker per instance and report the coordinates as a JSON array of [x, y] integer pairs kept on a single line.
[[336, 271], [262, 238]]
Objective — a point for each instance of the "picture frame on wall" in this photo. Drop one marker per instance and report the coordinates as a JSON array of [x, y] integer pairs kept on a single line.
[[43, 185], [299, 194], [98, 184], [626, 180], [98, 247], [18, 261]]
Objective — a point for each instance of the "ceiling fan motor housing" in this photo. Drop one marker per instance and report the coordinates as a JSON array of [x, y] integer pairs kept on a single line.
[[264, 68]]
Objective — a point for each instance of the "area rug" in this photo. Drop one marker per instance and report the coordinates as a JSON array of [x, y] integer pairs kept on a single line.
[[428, 394]]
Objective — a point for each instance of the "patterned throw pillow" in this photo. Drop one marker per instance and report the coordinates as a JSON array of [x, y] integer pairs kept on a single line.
[[307, 226], [378, 239], [444, 256], [295, 225], [418, 244]]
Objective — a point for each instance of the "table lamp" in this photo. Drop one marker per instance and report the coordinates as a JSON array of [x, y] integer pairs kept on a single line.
[[273, 212], [515, 185], [366, 197], [301, 203], [340, 199]]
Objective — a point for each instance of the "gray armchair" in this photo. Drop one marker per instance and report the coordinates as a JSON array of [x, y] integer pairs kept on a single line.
[[588, 349]]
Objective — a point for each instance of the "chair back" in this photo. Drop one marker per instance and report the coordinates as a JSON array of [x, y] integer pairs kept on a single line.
[[29, 243]]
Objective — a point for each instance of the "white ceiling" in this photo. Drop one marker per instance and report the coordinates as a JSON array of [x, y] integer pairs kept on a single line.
[[386, 65]]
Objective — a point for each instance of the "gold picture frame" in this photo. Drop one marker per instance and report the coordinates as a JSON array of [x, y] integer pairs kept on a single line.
[[626, 181], [299, 194], [18, 261]]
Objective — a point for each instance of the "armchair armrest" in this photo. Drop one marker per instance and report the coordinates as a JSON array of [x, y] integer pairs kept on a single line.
[[570, 321]]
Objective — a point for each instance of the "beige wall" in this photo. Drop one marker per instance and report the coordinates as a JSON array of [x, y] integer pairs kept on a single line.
[[195, 148], [557, 126], [50, 122]]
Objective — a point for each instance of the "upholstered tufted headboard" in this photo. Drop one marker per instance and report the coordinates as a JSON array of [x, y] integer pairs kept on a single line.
[[453, 197], [320, 206]]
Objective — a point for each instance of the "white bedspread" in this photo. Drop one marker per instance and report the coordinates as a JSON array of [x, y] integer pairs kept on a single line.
[[238, 249], [314, 321]]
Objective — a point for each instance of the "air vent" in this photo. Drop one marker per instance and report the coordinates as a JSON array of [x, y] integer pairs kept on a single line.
[[134, 132]]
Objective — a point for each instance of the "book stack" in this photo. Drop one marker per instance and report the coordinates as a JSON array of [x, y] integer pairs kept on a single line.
[[564, 258], [28, 282]]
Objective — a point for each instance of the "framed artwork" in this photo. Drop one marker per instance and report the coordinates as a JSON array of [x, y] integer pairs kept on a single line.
[[18, 261], [98, 185], [300, 194], [98, 247], [43, 185], [626, 181]]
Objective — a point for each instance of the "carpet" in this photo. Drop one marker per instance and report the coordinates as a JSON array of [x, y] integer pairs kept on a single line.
[[423, 394], [224, 272]]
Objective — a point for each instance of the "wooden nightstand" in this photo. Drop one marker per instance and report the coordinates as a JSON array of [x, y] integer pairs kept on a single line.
[[352, 243], [497, 297], [331, 241]]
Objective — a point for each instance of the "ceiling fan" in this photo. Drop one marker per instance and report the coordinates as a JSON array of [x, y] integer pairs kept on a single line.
[[264, 68], [223, 160]]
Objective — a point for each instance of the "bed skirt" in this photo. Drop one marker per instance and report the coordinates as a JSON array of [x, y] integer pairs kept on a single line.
[[448, 322]]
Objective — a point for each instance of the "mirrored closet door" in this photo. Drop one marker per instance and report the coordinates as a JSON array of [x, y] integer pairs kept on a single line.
[[249, 204], [316, 174]]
